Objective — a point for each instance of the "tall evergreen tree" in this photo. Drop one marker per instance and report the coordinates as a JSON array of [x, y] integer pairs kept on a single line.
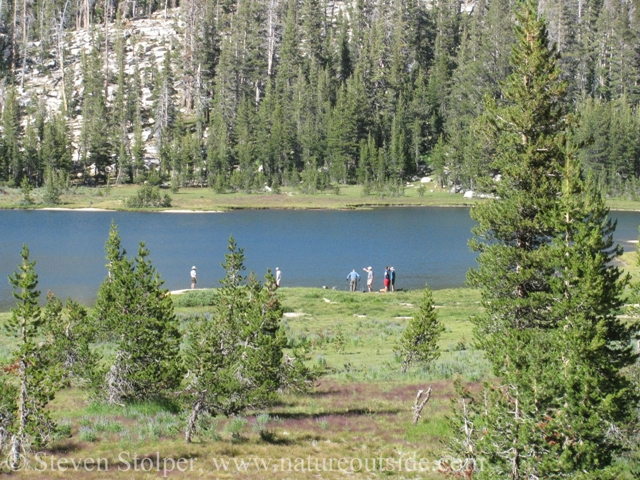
[[96, 147], [164, 107], [136, 310], [37, 378], [11, 137], [235, 359], [549, 290]]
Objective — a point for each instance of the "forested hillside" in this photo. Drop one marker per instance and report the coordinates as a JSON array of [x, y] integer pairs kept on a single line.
[[236, 94]]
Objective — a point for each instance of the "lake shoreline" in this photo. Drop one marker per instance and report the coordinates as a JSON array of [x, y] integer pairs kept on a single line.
[[237, 208], [201, 200], [256, 208]]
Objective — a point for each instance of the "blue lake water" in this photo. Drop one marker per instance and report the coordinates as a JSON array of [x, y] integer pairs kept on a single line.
[[312, 248]]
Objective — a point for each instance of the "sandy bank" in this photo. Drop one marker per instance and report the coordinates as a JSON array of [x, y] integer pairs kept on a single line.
[[86, 209], [191, 211]]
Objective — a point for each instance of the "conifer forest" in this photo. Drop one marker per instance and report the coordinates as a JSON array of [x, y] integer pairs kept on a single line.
[[236, 95], [533, 103]]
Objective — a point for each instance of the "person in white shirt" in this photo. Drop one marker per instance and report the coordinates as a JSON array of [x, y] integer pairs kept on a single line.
[[369, 277], [278, 277], [194, 278]]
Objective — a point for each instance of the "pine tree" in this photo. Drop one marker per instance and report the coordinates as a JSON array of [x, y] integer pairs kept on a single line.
[[11, 137], [289, 51], [235, 358], [313, 31], [122, 109], [56, 144], [165, 111], [419, 342], [549, 290], [69, 333], [37, 379], [246, 147], [95, 147], [133, 306]]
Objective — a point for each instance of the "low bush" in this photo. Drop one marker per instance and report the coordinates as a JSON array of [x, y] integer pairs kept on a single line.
[[149, 196], [197, 298]]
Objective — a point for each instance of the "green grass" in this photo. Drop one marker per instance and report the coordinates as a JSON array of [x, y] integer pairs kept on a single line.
[[360, 408], [205, 199]]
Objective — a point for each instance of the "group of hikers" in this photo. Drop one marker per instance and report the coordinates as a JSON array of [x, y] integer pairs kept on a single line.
[[389, 279], [194, 277]]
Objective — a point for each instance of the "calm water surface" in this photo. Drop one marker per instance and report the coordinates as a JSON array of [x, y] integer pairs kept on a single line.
[[312, 248]]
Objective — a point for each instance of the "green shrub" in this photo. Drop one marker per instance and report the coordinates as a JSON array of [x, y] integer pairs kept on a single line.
[[149, 196], [106, 425], [26, 189], [207, 427], [63, 430], [54, 184], [235, 428], [198, 298], [87, 435]]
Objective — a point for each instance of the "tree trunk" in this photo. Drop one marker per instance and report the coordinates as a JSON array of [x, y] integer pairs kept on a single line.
[[13, 37], [106, 50], [24, 42], [420, 403], [193, 418]]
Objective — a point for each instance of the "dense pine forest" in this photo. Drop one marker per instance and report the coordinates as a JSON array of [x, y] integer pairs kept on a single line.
[[239, 94]]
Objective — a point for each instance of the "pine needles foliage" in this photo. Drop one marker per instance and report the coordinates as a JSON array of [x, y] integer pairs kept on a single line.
[[549, 290], [419, 342], [236, 357], [134, 309]]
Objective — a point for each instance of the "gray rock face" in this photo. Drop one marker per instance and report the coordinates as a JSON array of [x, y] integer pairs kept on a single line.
[[149, 36], [146, 42]]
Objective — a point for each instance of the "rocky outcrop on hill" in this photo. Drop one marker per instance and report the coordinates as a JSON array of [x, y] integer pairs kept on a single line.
[[145, 38]]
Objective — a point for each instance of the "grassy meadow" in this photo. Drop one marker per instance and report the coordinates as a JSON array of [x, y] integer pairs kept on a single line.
[[361, 408], [205, 199]]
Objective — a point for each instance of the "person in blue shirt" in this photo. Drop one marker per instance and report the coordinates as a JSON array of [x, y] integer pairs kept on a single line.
[[353, 278], [393, 279]]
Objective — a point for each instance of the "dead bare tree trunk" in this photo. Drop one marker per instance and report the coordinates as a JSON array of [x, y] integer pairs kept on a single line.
[[106, 50], [420, 403], [271, 36], [13, 37], [193, 418], [60, 42], [24, 42]]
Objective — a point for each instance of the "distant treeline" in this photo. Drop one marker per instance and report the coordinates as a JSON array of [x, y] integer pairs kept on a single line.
[[305, 92]]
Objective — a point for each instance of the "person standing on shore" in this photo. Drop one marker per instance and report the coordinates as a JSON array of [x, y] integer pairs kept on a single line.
[[194, 278], [353, 278], [278, 277], [386, 279], [369, 277], [393, 279]]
